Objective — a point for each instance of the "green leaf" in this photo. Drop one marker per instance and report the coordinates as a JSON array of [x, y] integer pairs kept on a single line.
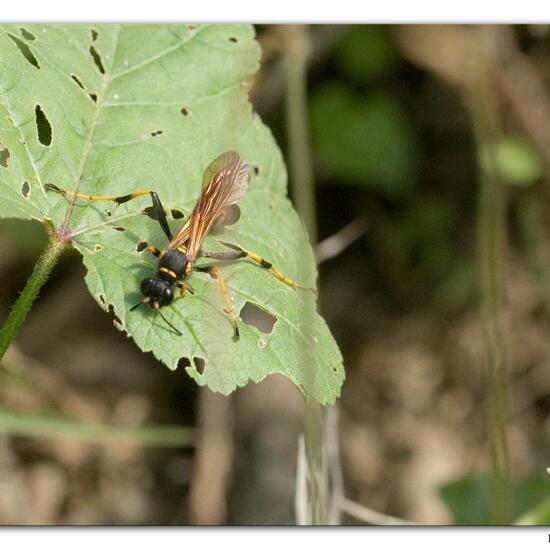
[[468, 498], [364, 140], [114, 109], [539, 515]]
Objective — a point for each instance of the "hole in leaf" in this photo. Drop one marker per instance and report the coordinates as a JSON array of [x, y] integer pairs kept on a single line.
[[93, 97], [232, 39], [97, 59], [116, 319], [177, 214], [25, 50], [183, 363], [77, 80], [199, 364], [94, 34], [141, 246], [43, 126], [121, 229], [10, 120], [26, 34], [185, 111], [255, 316], [25, 189], [4, 156], [101, 298], [108, 212], [156, 133], [98, 248], [256, 170]]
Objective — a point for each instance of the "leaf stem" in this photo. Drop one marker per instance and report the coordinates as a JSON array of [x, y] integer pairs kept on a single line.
[[21, 307]]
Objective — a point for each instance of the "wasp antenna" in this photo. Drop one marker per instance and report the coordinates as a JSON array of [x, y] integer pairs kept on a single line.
[[136, 306], [169, 323], [144, 301]]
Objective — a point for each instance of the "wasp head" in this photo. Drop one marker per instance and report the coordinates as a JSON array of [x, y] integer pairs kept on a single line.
[[157, 292]]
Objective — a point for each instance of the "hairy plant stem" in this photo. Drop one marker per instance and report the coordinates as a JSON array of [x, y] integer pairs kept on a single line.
[[303, 191], [492, 259], [22, 305]]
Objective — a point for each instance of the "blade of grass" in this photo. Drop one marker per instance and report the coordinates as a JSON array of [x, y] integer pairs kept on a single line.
[[38, 425]]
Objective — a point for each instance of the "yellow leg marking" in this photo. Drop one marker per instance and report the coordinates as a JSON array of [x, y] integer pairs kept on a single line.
[[228, 304], [121, 199], [267, 265], [184, 289], [154, 250]]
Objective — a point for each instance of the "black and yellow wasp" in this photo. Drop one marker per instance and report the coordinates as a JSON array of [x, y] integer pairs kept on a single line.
[[224, 183]]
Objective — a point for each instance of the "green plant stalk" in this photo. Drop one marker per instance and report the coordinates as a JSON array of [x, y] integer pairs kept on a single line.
[[39, 425], [303, 192], [22, 305], [301, 164], [492, 258], [530, 216]]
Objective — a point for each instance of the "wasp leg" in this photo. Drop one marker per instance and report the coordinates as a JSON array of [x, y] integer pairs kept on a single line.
[[216, 271], [184, 288], [241, 253], [119, 200], [154, 251], [158, 209]]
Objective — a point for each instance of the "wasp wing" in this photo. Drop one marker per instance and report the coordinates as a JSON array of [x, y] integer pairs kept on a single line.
[[224, 183]]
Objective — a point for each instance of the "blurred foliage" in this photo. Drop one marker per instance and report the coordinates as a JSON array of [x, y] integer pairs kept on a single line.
[[516, 161], [539, 515], [364, 136], [364, 139], [468, 499], [424, 227], [367, 53]]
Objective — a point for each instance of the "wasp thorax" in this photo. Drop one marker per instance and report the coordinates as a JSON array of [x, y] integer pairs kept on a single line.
[[172, 265], [157, 290]]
